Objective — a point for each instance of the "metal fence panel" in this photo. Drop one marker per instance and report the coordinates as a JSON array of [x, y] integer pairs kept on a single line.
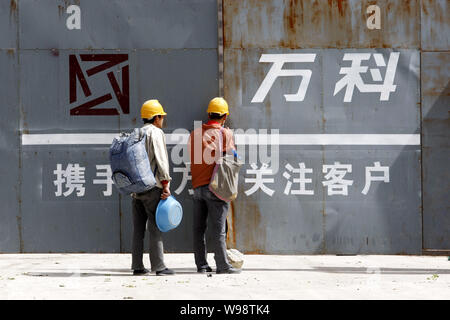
[[386, 220], [117, 24], [78, 220], [320, 24], [93, 81], [57, 215], [10, 196], [258, 57], [435, 148]]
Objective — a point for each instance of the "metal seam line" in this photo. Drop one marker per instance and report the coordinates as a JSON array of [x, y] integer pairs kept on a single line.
[[220, 44], [247, 139]]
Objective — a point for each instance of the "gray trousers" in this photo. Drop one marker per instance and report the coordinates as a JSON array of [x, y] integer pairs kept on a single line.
[[208, 206], [144, 210]]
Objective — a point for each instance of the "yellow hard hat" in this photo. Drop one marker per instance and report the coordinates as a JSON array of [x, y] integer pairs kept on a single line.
[[218, 105], [151, 108]]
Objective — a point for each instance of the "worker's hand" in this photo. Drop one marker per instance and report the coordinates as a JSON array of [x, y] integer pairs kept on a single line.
[[166, 192]]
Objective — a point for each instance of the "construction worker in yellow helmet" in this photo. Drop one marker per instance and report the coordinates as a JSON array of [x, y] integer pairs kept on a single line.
[[144, 204], [218, 106], [152, 108], [204, 141]]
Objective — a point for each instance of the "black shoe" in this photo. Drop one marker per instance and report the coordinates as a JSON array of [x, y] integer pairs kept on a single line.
[[231, 270], [204, 270], [140, 272], [165, 272]]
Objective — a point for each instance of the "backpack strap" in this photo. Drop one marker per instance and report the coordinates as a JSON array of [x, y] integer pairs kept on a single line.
[[141, 135], [221, 141], [222, 132], [138, 134]]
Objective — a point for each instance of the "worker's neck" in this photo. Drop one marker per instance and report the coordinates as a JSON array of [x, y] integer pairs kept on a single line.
[[221, 122]]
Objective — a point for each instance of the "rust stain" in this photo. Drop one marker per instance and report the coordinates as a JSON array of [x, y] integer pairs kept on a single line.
[[321, 24], [233, 223], [232, 79], [292, 15], [12, 7], [292, 21], [340, 7], [309, 24], [338, 27], [231, 234], [61, 10], [19, 227], [425, 5], [224, 20], [253, 235], [254, 252], [434, 76], [10, 52], [435, 23]]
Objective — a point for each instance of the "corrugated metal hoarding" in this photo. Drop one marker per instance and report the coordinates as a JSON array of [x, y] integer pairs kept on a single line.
[[340, 81], [340, 110], [68, 91]]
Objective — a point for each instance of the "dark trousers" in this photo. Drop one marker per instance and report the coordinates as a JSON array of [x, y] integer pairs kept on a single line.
[[208, 206], [144, 210]]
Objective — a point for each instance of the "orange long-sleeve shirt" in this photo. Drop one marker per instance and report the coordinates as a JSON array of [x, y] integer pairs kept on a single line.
[[203, 144]]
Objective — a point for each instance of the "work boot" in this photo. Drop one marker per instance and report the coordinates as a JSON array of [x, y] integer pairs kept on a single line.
[[231, 270], [165, 272], [140, 272]]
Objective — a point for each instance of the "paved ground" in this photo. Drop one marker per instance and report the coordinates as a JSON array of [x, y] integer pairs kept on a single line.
[[107, 276]]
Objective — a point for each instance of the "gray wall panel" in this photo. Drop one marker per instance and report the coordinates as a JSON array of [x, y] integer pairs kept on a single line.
[[96, 222], [10, 227], [134, 24], [366, 113], [436, 152], [69, 222], [386, 220], [281, 223]]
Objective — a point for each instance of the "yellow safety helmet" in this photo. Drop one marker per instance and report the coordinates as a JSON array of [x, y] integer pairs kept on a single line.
[[151, 108], [218, 105]]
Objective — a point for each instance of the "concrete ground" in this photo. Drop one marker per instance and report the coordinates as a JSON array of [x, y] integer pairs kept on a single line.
[[107, 276]]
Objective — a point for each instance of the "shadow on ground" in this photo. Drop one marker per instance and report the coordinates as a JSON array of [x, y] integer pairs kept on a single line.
[[344, 270]]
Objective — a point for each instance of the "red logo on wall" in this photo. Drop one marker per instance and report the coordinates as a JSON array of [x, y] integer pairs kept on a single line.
[[121, 94]]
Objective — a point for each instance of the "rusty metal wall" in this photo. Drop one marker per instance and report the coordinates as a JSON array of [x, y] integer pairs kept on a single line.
[[389, 218], [435, 91], [59, 83]]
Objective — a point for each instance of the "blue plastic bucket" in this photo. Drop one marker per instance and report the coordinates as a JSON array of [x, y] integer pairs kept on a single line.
[[168, 214]]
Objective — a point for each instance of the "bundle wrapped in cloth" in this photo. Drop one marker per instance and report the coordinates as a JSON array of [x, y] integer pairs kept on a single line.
[[235, 258]]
